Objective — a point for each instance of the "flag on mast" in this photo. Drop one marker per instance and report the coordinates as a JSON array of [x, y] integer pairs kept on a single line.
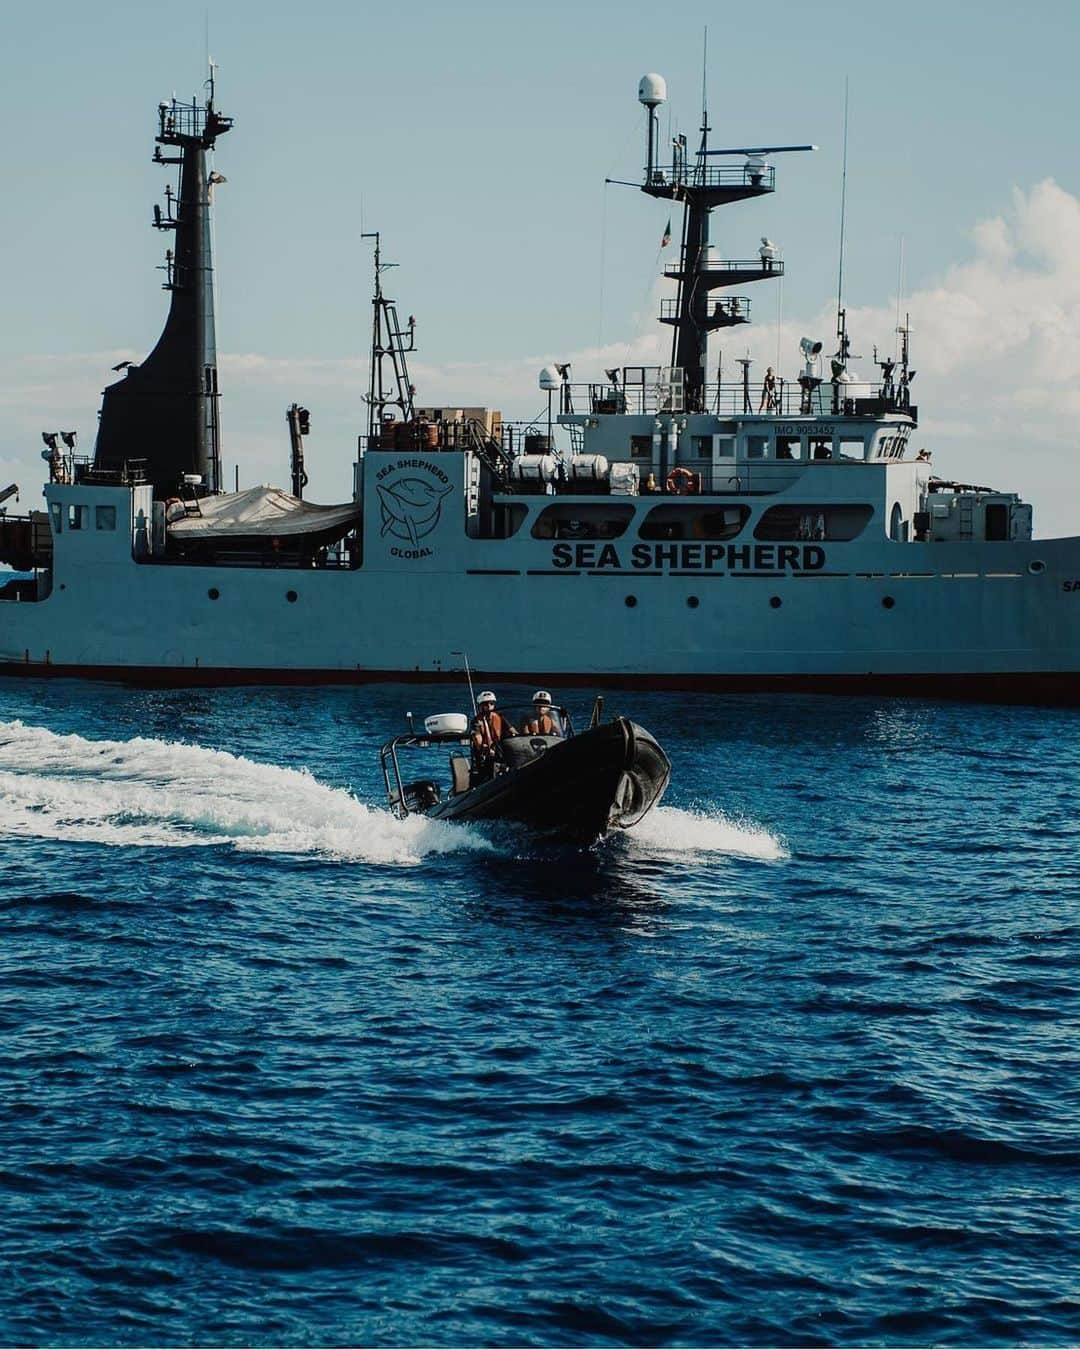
[[667, 235]]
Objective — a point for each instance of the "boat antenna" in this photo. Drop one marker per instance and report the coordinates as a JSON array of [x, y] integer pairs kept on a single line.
[[843, 211], [468, 675]]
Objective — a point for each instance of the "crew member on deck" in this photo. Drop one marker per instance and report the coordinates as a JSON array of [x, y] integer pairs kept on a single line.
[[768, 392], [544, 720], [489, 730]]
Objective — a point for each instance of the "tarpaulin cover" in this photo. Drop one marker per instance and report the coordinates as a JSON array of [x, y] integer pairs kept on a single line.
[[260, 511]]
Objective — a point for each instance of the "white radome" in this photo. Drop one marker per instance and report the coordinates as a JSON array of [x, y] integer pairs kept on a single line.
[[652, 90], [550, 379]]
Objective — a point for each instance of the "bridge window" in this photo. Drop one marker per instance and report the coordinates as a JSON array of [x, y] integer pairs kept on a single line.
[[687, 521], [78, 516], [105, 517], [56, 511], [641, 447], [724, 447], [756, 446], [576, 520], [821, 447], [788, 447], [827, 521], [852, 448]]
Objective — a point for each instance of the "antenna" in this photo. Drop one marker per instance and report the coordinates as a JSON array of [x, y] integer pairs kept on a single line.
[[468, 675], [843, 213]]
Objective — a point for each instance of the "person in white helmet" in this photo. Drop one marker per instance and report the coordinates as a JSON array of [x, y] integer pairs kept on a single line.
[[544, 720], [489, 730]]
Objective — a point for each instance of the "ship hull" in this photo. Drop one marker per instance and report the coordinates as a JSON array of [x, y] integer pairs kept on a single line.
[[974, 620], [1043, 688]]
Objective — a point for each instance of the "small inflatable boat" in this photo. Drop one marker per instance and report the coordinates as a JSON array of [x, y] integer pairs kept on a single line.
[[574, 787]]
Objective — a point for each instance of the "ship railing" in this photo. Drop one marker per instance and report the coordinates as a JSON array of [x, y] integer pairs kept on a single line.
[[730, 308], [82, 470], [760, 177], [745, 267], [794, 399]]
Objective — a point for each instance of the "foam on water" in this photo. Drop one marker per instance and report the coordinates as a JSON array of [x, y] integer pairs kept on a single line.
[[670, 830], [145, 792]]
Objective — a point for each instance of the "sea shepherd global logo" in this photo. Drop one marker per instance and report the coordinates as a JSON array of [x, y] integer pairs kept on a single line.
[[411, 494]]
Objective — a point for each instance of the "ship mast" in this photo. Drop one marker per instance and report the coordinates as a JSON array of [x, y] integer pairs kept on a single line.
[[164, 412], [389, 342], [702, 187]]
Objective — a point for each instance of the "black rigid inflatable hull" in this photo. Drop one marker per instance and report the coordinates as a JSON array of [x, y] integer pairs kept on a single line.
[[604, 778]]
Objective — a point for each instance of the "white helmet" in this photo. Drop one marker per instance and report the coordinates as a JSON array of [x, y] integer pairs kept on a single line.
[[486, 696], [542, 696]]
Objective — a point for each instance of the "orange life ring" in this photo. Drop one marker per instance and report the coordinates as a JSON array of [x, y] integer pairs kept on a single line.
[[680, 481]]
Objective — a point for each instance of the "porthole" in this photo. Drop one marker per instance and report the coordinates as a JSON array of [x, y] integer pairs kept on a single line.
[[214, 593], [1036, 567], [775, 602], [692, 602], [887, 602], [631, 601], [291, 597]]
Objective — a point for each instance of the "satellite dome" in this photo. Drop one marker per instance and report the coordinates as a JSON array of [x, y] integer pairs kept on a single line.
[[550, 378], [652, 90]]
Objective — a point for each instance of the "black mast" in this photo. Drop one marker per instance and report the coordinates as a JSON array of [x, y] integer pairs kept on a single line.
[[701, 187], [165, 411]]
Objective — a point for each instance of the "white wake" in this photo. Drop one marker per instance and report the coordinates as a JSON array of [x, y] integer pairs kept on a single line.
[[146, 792], [672, 831]]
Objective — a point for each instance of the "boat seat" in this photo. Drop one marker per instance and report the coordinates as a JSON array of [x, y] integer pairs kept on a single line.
[[460, 777]]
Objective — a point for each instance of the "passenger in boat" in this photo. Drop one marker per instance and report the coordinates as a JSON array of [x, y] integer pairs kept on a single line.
[[489, 730], [544, 721]]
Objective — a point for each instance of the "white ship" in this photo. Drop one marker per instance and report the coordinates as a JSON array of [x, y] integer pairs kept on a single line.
[[658, 530]]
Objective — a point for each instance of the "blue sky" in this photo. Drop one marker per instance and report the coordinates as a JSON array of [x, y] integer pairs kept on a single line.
[[477, 137]]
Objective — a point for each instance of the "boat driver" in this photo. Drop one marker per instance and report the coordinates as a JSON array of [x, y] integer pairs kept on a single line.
[[489, 730], [544, 721]]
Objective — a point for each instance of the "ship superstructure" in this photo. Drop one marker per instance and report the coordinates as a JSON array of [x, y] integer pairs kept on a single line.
[[661, 528]]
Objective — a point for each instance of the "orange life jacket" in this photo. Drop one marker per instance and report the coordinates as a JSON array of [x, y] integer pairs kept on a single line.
[[542, 726], [491, 729]]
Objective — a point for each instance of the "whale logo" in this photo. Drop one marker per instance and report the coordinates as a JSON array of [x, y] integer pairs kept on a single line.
[[410, 507]]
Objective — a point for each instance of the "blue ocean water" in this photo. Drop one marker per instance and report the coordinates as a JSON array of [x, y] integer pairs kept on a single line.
[[794, 1064]]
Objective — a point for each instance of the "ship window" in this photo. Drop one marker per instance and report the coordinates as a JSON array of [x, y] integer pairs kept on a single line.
[[821, 447], [788, 447], [702, 447], [724, 447], [692, 602], [105, 517], [755, 447], [78, 516], [508, 520], [641, 447], [57, 513], [852, 448], [693, 522], [579, 520], [828, 521]]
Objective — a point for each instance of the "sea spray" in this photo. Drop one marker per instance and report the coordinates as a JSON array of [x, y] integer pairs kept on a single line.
[[146, 792]]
